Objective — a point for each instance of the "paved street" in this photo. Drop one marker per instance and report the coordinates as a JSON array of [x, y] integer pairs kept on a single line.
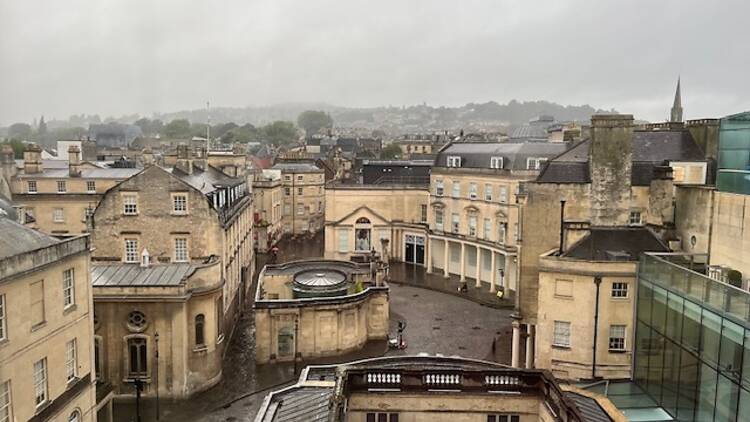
[[437, 323]]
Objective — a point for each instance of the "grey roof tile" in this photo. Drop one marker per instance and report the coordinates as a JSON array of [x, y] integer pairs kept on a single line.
[[16, 239], [125, 275]]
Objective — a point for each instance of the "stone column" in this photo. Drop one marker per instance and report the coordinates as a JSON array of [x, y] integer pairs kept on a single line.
[[479, 266], [463, 262], [446, 259], [493, 277], [515, 353], [428, 254], [531, 332]]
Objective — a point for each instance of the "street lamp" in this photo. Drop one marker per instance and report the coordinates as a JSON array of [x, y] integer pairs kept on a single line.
[[296, 333], [156, 375]]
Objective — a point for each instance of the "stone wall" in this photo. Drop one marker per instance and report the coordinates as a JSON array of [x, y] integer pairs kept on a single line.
[[611, 166]]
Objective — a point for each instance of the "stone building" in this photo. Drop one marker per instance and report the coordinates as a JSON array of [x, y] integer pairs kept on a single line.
[[389, 219], [304, 196], [618, 178], [427, 388], [56, 197], [312, 309], [586, 303], [474, 213], [173, 254], [47, 369], [268, 199]]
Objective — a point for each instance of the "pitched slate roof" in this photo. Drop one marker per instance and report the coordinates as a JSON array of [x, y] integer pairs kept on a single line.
[[297, 167], [207, 180], [133, 275], [616, 244], [300, 404], [16, 239], [650, 150], [515, 154]]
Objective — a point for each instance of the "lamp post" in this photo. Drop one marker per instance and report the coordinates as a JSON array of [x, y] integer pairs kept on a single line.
[[156, 375], [296, 333]]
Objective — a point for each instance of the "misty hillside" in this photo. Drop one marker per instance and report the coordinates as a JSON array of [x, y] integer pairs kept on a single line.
[[421, 117]]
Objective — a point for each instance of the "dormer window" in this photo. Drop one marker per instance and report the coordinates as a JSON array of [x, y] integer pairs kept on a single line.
[[535, 163], [454, 161], [496, 162]]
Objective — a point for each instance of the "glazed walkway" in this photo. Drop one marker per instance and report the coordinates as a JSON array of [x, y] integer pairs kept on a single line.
[[416, 275]]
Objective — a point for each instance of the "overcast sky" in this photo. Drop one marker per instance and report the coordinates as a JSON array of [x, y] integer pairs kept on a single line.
[[113, 57]]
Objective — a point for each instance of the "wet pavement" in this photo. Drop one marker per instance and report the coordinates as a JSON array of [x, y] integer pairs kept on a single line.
[[437, 323]]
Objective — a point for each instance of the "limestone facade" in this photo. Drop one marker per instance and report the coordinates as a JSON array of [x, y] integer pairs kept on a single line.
[[57, 200], [268, 198], [304, 196], [292, 324], [46, 329], [195, 225]]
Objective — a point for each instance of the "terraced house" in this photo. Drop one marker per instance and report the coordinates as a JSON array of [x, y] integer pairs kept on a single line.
[[171, 266]]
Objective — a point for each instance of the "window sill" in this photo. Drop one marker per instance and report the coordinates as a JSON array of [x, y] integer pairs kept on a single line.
[[200, 349], [617, 351], [563, 297], [130, 380], [560, 347], [4, 341], [43, 405], [220, 339], [37, 326], [179, 214], [70, 308], [71, 382]]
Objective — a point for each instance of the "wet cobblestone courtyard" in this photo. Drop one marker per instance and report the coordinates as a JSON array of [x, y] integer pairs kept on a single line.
[[437, 323]]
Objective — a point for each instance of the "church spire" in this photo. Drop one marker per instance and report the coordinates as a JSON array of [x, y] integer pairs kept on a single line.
[[676, 113]]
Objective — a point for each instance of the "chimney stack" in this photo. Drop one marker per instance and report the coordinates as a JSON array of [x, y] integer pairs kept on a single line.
[[611, 162], [184, 160], [32, 159], [8, 162], [148, 157], [74, 161]]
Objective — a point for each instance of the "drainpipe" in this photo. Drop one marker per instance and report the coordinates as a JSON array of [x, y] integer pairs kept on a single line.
[[598, 282], [562, 225]]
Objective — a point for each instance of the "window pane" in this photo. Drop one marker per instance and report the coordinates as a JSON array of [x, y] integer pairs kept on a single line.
[[711, 336], [645, 295], [706, 394], [730, 362], [659, 309], [691, 326], [689, 370], [674, 317], [728, 394]]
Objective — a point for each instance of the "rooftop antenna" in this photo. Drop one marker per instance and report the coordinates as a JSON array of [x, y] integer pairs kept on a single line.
[[208, 128]]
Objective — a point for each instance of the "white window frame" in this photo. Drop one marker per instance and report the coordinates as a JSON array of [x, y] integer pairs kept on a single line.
[[617, 337], [502, 194], [455, 223], [181, 250], [472, 190], [131, 254], [343, 240], [439, 220], [29, 185], [487, 192], [439, 188], [473, 225], [638, 221], [561, 334], [71, 360], [41, 395], [3, 323], [453, 161], [62, 187], [496, 162], [91, 186], [6, 402], [300, 177], [536, 161], [620, 290], [502, 232], [69, 288], [456, 189], [179, 203], [130, 205], [58, 215], [487, 227]]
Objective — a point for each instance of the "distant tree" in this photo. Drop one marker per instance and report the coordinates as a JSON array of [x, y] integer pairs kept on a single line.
[[178, 128], [21, 131], [42, 130], [149, 127], [313, 121], [280, 132], [390, 152], [17, 146], [219, 130], [199, 129]]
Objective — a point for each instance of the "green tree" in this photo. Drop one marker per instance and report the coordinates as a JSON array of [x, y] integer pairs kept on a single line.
[[390, 152], [178, 128], [20, 131], [17, 146], [149, 127], [313, 121], [280, 132]]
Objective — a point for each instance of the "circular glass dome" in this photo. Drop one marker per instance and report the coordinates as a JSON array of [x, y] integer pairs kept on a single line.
[[319, 283]]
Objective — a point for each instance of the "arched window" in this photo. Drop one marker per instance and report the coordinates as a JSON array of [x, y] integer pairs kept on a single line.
[[75, 416], [362, 234], [200, 324], [138, 356]]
